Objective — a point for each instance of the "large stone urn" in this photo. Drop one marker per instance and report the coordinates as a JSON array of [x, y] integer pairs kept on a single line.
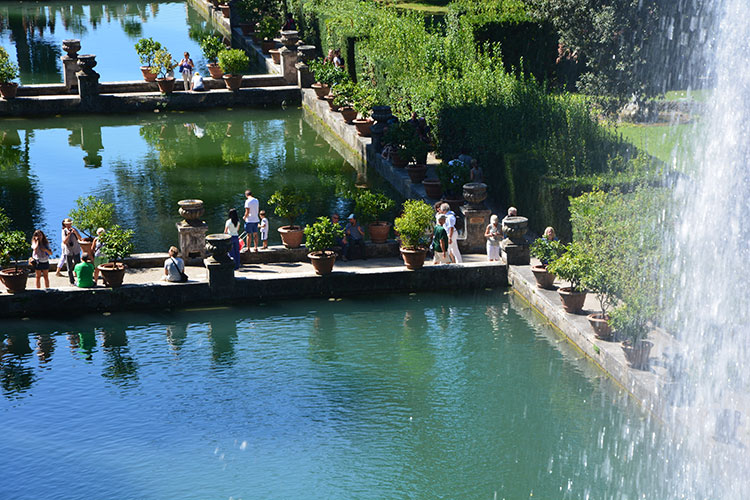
[[289, 38], [219, 265], [475, 193], [191, 210], [192, 229], [88, 79], [306, 53], [71, 47], [217, 246], [515, 245]]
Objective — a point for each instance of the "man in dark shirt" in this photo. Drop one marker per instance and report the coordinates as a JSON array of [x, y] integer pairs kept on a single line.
[[353, 235], [440, 242]]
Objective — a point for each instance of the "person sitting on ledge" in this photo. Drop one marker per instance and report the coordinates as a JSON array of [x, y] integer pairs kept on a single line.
[[84, 271], [174, 267], [196, 83], [354, 236]]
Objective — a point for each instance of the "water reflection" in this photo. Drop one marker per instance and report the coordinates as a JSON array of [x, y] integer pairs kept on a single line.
[[45, 346], [16, 376], [223, 337], [119, 365]]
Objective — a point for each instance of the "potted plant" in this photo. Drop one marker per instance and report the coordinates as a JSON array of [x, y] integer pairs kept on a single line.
[[344, 96], [90, 214], [233, 63], [146, 49], [267, 29], [572, 266], [630, 320], [416, 149], [162, 65], [249, 11], [413, 228], [326, 76], [371, 207], [397, 136], [8, 73], [211, 45], [117, 243], [453, 175], [320, 237], [601, 281], [13, 247], [289, 205], [363, 102], [546, 251], [432, 188]]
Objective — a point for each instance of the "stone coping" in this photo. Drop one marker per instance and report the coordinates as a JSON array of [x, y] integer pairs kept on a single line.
[[255, 284], [649, 387]]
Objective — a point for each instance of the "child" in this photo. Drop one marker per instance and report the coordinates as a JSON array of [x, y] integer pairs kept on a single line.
[[263, 227]]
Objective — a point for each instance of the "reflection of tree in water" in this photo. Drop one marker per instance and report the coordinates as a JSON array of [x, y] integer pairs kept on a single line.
[[19, 194], [322, 341], [119, 367], [15, 375], [223, 336], [176, 335]]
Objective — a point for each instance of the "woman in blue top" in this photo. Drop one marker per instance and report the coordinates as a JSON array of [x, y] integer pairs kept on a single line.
[[186, 68]]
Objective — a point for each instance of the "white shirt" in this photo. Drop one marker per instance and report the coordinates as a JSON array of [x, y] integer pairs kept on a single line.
[[174, 265], [264, 229], [232, 230], [198, 82], [254, 206]]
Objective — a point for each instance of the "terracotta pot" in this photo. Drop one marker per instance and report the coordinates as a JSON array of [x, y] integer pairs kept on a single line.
[[14, 281], [321, 89], [214, 70], [348, 113], [416, 173], [379, 231], [226, 10], [399, 161], [432, 188], [86, 246], [413, 257], [148, 75], [275, 55], [8, 90], [600, 325], [572, 301], [329, 99], [247, 29], [322, 261], [544, 278], [233, 82], [166, 85], [363, 127], [113, 273], [637, 356], [291, 236], [267, 45]]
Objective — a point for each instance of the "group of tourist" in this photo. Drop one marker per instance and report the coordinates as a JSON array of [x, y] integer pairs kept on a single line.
[[334, 57], [445, 236]]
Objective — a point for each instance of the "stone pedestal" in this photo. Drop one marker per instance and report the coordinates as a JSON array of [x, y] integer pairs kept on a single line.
[[70, 62], [515, 246], [88, 79], [192, 239], [219, 265], [305, 77], [306, 53], [476, 221], [288, 65]]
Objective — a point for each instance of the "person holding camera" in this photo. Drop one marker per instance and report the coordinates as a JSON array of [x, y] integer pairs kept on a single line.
[[71, 250]]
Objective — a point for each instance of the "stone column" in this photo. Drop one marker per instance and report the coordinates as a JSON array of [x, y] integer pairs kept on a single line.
[[304, 76], [219, 265], [476, 217], [192, 231], [288, 65], [515, 246], [70, 63], [88, 80]]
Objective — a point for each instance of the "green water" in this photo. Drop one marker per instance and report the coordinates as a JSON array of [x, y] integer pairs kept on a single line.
[[402, 396], [146, 163], [33, 32]]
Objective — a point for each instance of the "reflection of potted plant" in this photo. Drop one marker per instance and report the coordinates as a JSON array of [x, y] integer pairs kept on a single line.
[[573, 266], [371, 207], [320, 238], [8, 73], [13, 247], [162, 66], [289, 205], [146, 49], [211, 45], [546, 251], [90, 214], [267, 29], [233, 63], [413, 228], [601, 281], [117, 244]]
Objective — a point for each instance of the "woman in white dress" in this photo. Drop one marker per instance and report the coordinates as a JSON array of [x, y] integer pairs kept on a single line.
[[494, 235]]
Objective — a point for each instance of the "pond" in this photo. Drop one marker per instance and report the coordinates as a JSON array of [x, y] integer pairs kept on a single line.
[[33, 32], [441, 396], [146, 163]]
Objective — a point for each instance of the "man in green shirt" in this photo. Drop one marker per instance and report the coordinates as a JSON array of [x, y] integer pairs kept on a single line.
[[440, 242], [84, 271]]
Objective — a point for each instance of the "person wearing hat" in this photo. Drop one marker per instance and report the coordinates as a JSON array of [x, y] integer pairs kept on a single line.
[[494, 235], [71, 250], [354, 235], [440, 242]]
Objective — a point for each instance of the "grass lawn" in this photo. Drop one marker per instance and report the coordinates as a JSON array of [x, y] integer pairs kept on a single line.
[[660, 140], [423, 7], [700, 95]]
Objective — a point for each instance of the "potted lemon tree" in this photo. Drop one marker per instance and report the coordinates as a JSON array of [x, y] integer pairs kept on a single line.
[[371, 206], [146, 49], [211, 45], [573, 266], [13, 247], [233, 63], [288, 204], [414, 230], [547, 251], [117, 244], [163, 65], [320, 238], [90, 214]]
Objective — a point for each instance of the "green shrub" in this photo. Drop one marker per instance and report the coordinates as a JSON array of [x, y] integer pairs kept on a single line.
[[117, 243], [363, 99], [371, 206], [413, 227], [146, 49], [163, 63], [572, 266], [8, 70], [327, 73], [233, 61], [91, 213], [546, 251], [268, 28], [322, 235], [211, 45], [289, 203], [13, 247]]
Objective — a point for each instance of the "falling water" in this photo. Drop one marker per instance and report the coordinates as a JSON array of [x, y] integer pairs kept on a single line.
[[710, 314]]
